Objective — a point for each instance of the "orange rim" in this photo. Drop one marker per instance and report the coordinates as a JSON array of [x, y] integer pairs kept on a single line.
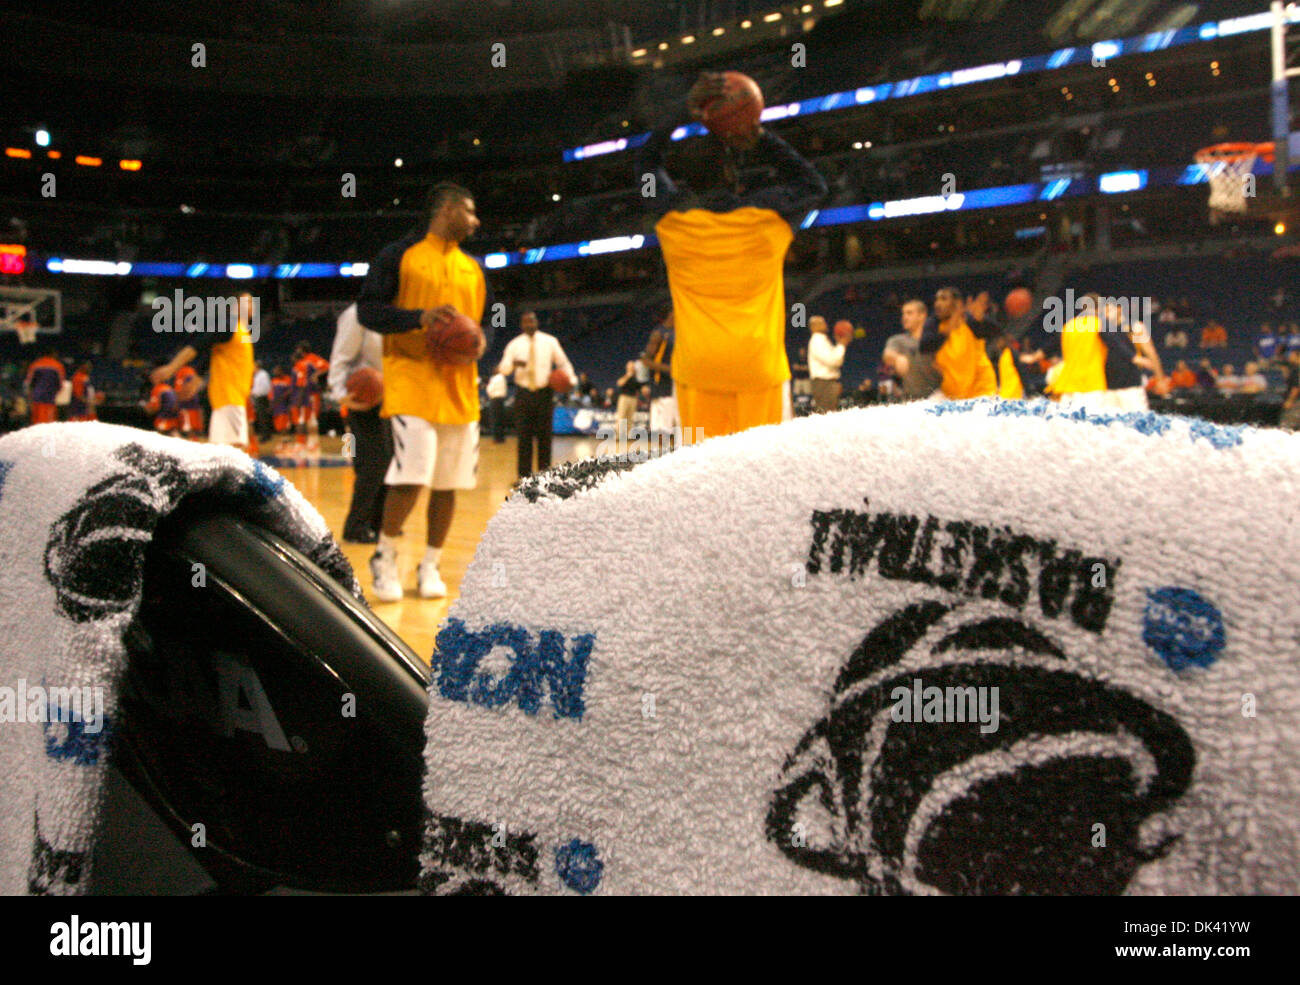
[[1234, 152]]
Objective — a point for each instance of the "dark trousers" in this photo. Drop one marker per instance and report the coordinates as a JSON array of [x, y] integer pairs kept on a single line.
[[262, 410], [533, 411], [497, 418], [372, 440]]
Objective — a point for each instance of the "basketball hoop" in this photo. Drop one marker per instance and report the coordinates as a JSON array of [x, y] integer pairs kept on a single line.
[[1230, 168], [26, 330]]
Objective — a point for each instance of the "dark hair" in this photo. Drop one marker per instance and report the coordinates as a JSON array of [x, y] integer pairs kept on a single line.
[[278, 371], [442, 193], [954, 291]]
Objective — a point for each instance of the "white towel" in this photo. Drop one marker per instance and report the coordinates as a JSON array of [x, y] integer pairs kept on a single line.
[[700, 675], [78, 507]]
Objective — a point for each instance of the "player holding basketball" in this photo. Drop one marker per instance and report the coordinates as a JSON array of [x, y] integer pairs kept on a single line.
[[724, 246], [433, 408]]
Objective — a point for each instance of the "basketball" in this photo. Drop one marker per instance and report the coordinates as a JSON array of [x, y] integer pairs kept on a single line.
[[1018, 303], [366, 386], [737, 112], [560, 382], [843, 331], [454, 341]]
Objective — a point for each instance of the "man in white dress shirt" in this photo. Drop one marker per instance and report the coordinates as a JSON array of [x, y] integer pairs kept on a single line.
[[372, 440], [531, 358], [824, 361]]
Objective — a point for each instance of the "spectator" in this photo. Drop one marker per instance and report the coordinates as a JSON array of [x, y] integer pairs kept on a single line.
[[1214, 336], [800, 383], [1252, 381], [1206, 378], [1228, 382], [1182, 378], [628, 388], [1293, 339], [1175, 338], [824, 361], [1167, 314], [1266, 345], [587, 393], [1291, 402]]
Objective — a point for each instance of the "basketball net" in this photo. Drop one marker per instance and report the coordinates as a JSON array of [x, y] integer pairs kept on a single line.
[[26, 331], [1230, 170]]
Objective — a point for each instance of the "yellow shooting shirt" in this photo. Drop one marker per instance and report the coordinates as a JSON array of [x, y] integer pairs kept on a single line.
[[964, 362], [433, 272], [1010, 386], [1083, 357], [230, 370], [728, 290]]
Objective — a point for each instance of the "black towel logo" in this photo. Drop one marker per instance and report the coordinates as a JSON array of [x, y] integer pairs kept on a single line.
[[95, 555], [916, 807]]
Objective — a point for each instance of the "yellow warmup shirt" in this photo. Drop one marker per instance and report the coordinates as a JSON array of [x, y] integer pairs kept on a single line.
[[432, 272], [230, 370], [1010, 386], [725, 272], [964, 363], [1083, 357]]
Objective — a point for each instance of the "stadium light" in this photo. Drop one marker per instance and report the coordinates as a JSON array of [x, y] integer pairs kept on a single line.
[[719, 31], [746, 24], [88, 162], [773, 17], [834, 3], [42, 138], [397, 163], [688, 39], [130, 165], [21, 152], [639, 53]]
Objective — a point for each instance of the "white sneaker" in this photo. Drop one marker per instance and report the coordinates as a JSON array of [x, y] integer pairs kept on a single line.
[[387, 579], [431, 583]]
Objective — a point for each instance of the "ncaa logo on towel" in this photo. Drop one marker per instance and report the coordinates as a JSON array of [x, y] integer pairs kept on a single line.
[[503, 664]]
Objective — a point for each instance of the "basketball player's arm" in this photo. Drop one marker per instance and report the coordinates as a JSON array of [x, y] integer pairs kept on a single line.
[[798, 187], [485, 322], [375, 307], [657, 189], [201, 342], [651, 347], [931, 339]]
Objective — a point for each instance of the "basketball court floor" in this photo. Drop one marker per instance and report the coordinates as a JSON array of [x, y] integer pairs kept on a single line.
[[329, 488]]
